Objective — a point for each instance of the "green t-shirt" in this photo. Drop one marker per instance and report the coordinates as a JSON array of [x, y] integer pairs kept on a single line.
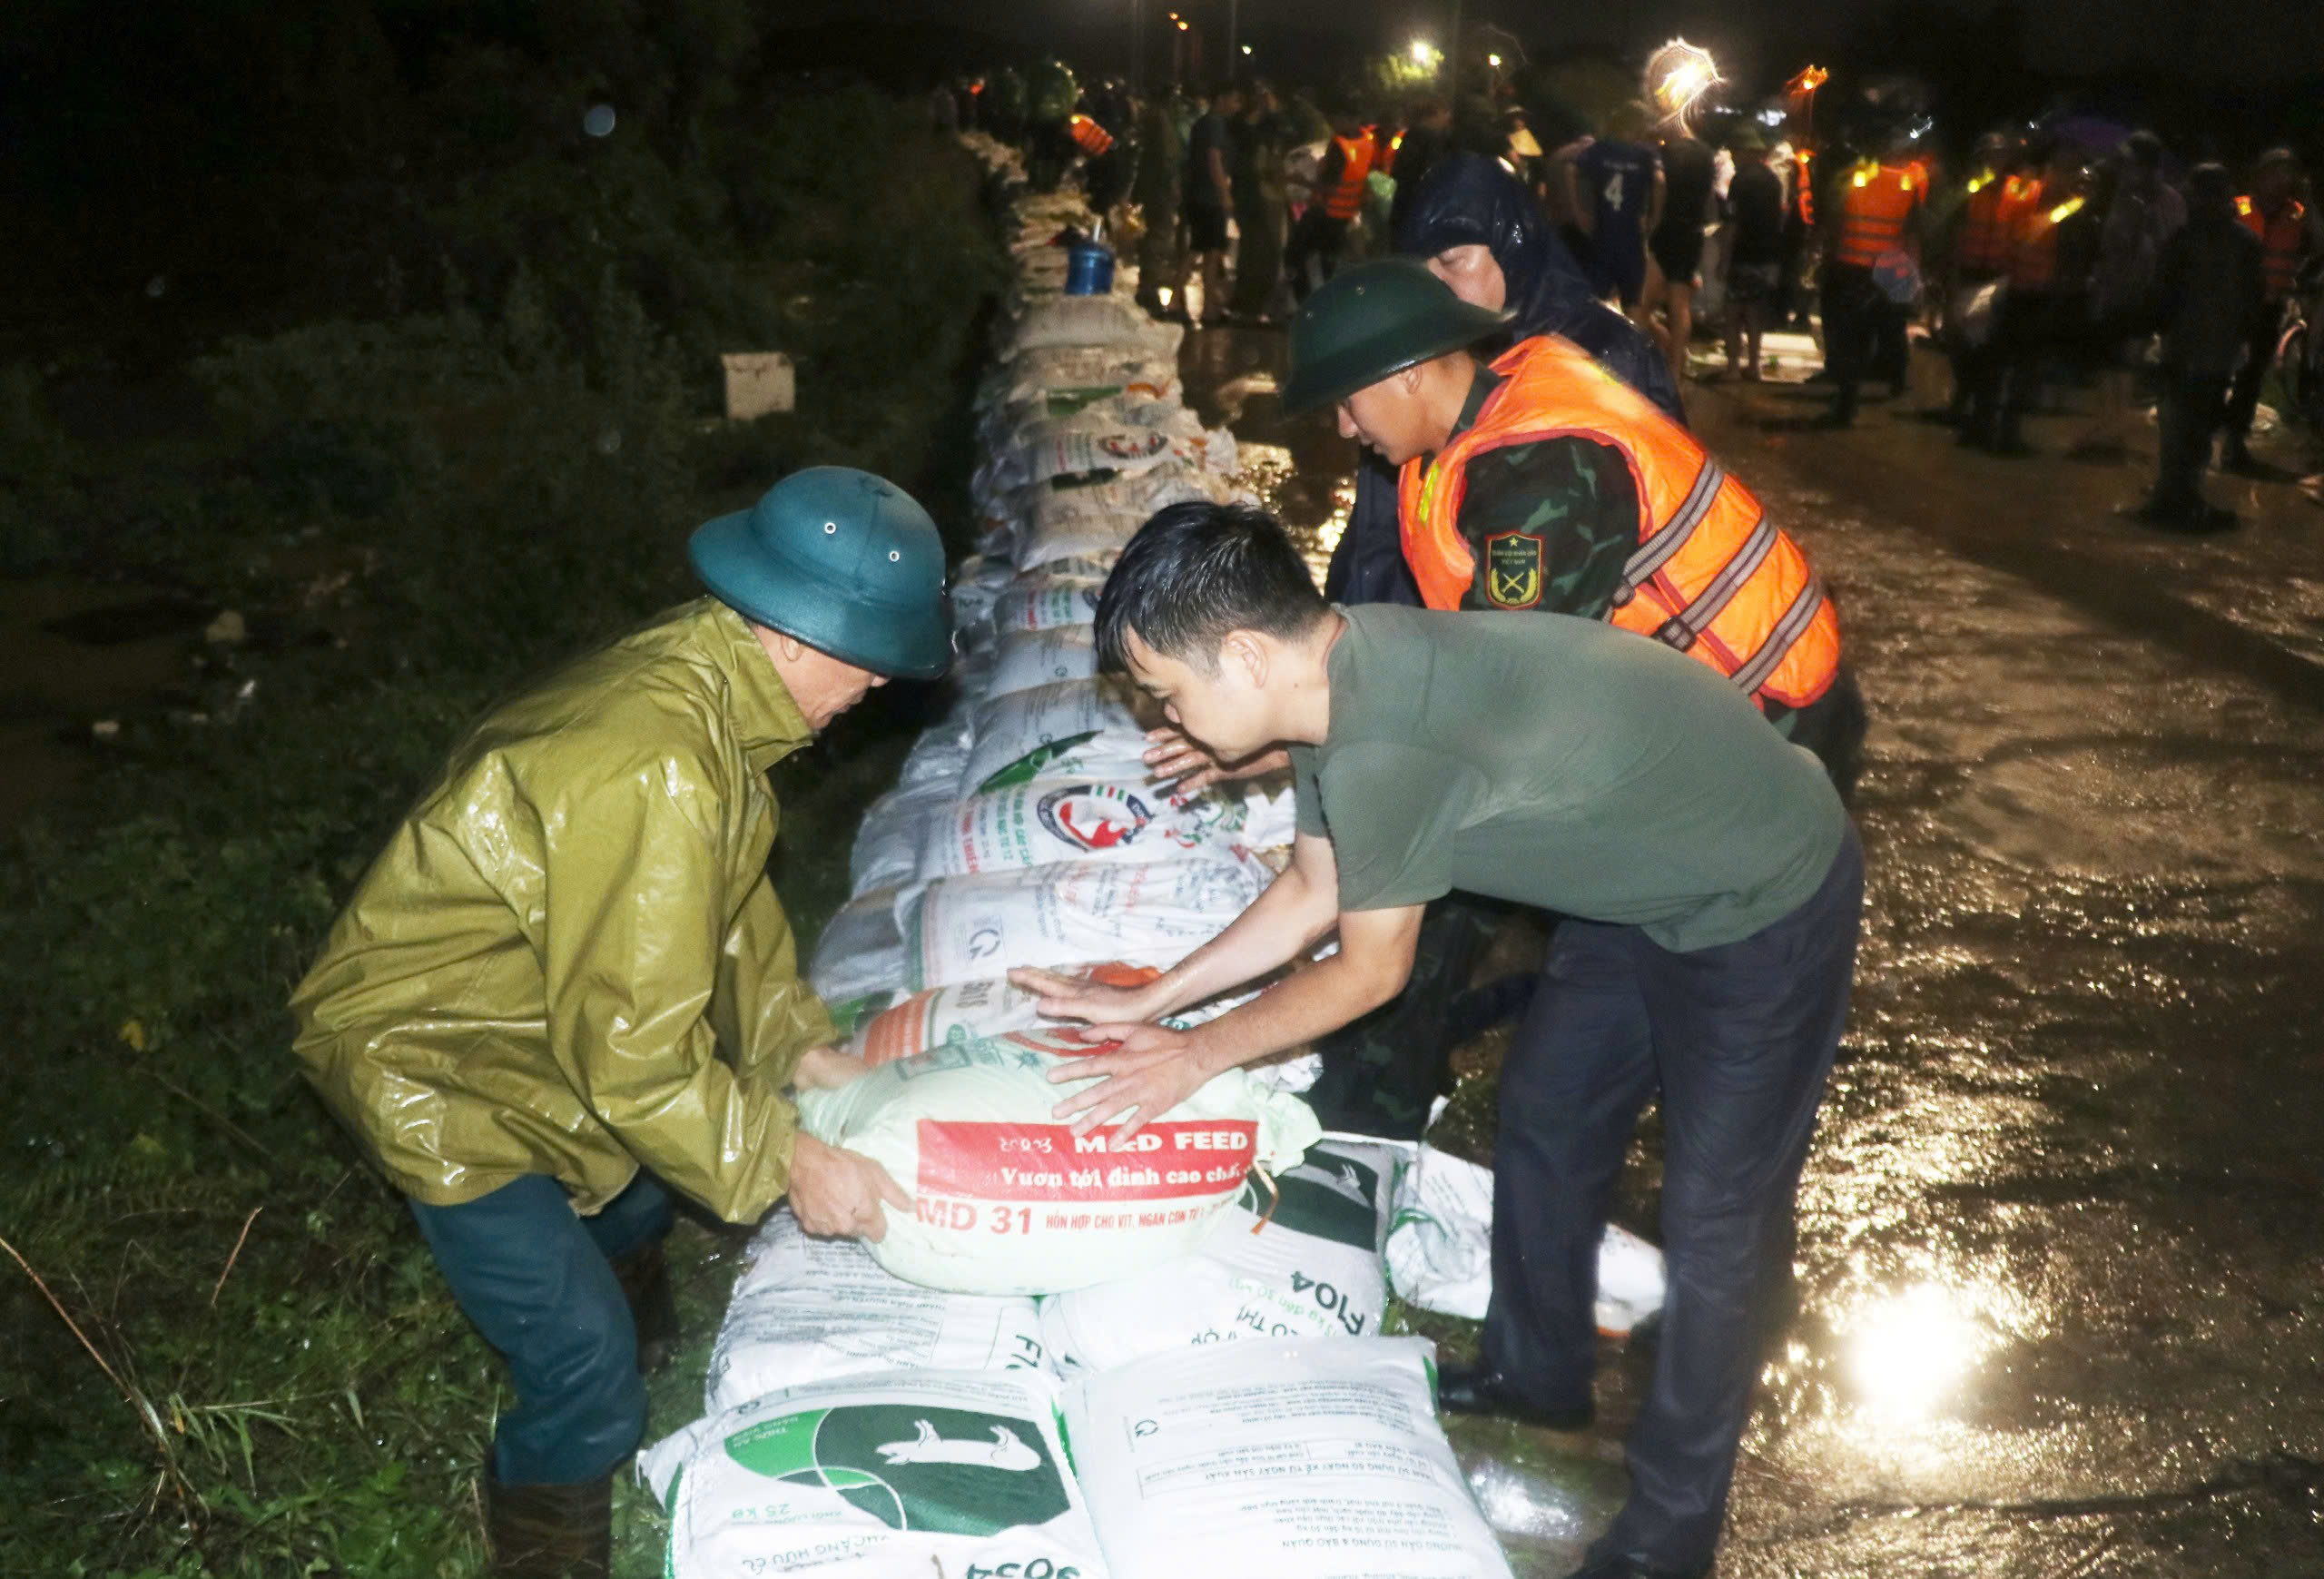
[[1561, 763]]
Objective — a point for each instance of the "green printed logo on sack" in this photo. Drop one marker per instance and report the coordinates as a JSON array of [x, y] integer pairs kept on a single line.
[[956, 1472], [1027, 768]]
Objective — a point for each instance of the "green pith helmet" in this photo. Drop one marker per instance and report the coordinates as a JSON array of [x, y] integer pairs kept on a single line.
[[1374, 320], [841, 560]]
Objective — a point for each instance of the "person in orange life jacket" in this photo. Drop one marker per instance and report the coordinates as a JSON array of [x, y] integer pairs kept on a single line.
[[1970, 253], [2289, 234], [1878, 201], [1542, 482], [2051, 246], [1711, 885], [1321, 235]]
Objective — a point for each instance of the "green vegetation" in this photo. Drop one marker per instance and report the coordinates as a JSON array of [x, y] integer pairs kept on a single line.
[[224, 1349]]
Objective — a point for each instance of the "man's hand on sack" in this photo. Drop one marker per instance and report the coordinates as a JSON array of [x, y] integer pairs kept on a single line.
[[1186, 766], [1153, 1070], [839, 1193], [826, 1069], [1063, 997]]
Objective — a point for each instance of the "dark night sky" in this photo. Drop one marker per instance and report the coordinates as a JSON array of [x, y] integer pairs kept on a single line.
[[2218, 40]]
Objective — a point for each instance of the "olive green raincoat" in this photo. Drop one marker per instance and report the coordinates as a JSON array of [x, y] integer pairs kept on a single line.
[[569, 959]]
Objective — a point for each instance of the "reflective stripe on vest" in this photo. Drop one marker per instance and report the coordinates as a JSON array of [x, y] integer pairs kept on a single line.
[[1093, 139], [1346, 199], [2034, 258], [1712, 576], [2279, 238], [1983, 235], [1874, 207]]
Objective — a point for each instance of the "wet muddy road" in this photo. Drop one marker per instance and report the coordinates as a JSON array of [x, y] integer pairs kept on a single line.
[[2061, 1250]]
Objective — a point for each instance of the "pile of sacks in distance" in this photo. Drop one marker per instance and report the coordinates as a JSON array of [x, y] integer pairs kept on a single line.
[[1070, 1360]]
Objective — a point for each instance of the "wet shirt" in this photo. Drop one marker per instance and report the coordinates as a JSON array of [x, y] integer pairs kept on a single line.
[[1689, 171], [1209, 134], [1754, 205], [569, 960], [1551, 523], [1564, 764], [1618, 183]]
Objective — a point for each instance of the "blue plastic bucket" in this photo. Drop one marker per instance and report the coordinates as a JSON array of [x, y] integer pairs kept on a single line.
[[1089, 269]]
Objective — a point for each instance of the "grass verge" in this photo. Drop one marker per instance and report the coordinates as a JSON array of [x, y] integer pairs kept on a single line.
[[226, 1350]]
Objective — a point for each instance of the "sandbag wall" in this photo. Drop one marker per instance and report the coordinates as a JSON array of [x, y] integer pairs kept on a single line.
[[1067, 1360]]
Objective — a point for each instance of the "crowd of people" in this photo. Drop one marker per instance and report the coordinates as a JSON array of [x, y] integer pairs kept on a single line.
[[2073, 253]]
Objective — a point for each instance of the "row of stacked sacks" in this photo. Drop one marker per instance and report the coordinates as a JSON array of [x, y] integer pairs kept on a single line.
[[1071, 1359]]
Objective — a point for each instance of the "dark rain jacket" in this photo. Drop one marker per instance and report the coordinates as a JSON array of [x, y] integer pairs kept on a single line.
[[1470, 200], [569, 960]]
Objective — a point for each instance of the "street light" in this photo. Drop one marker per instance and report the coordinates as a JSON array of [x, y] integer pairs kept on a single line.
[[1425, 54]]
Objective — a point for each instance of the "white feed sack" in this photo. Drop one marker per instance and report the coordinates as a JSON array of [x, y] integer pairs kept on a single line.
[[895, 827], [811, 1309], [1026, 659], [859, 950], [1074, 817], [935, 1475], [1299, 1260], [1078, 320], [1007, 1200], [1046, 599], [1073, 912], [1054, 521], [1294, 1458], [904, 1024], [1440, 1249], [1088, 720]]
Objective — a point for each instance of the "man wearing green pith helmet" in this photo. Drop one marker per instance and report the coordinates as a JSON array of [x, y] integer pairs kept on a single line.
[[566, 988]]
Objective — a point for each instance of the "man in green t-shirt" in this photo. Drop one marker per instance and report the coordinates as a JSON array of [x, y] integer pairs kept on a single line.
[[1711, 882]]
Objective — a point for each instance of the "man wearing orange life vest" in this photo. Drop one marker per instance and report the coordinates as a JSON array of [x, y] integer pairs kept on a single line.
[[1972, 264], [1543, 483], [1321, 234], [2051, 243], [1879, 200], [2289, 236]]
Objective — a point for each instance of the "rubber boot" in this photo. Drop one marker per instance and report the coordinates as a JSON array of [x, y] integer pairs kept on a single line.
[[550, 1532], [645, 1278]]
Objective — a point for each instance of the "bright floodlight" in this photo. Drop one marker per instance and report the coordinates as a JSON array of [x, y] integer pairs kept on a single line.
[[1424, 52], [1678, 75], [1494, 61]]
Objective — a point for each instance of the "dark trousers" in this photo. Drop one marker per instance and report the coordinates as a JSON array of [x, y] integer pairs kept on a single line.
[[1382, 1071], [2194, 407], [539, 1282], [1851, 308], [1258, 253], [2023, 340], [2258, 356], [1317, 238], [1738, 1038]]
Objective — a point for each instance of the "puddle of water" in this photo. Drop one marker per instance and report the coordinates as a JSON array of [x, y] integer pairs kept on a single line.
[[72, 653]]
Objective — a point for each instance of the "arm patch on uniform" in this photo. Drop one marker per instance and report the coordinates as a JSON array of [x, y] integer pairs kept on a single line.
[[1513, 569]]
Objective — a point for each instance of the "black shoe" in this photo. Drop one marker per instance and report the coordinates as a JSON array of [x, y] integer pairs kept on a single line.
[[548, 1531], [1628, 1567], [645, 1278], [1477, 1390]]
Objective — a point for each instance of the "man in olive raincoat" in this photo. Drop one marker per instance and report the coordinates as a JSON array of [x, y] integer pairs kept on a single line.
[[567, 986]]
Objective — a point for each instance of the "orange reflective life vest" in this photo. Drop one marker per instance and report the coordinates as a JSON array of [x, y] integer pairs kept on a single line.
[[1347, 200], [1712, 576], [2033, 251], [1092, 138], [2279, 234], [1984, 237], [1803, 184], [1387, 163], [1874, 206]]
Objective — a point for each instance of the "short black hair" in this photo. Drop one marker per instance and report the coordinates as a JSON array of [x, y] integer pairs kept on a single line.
[[1195, 572]]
